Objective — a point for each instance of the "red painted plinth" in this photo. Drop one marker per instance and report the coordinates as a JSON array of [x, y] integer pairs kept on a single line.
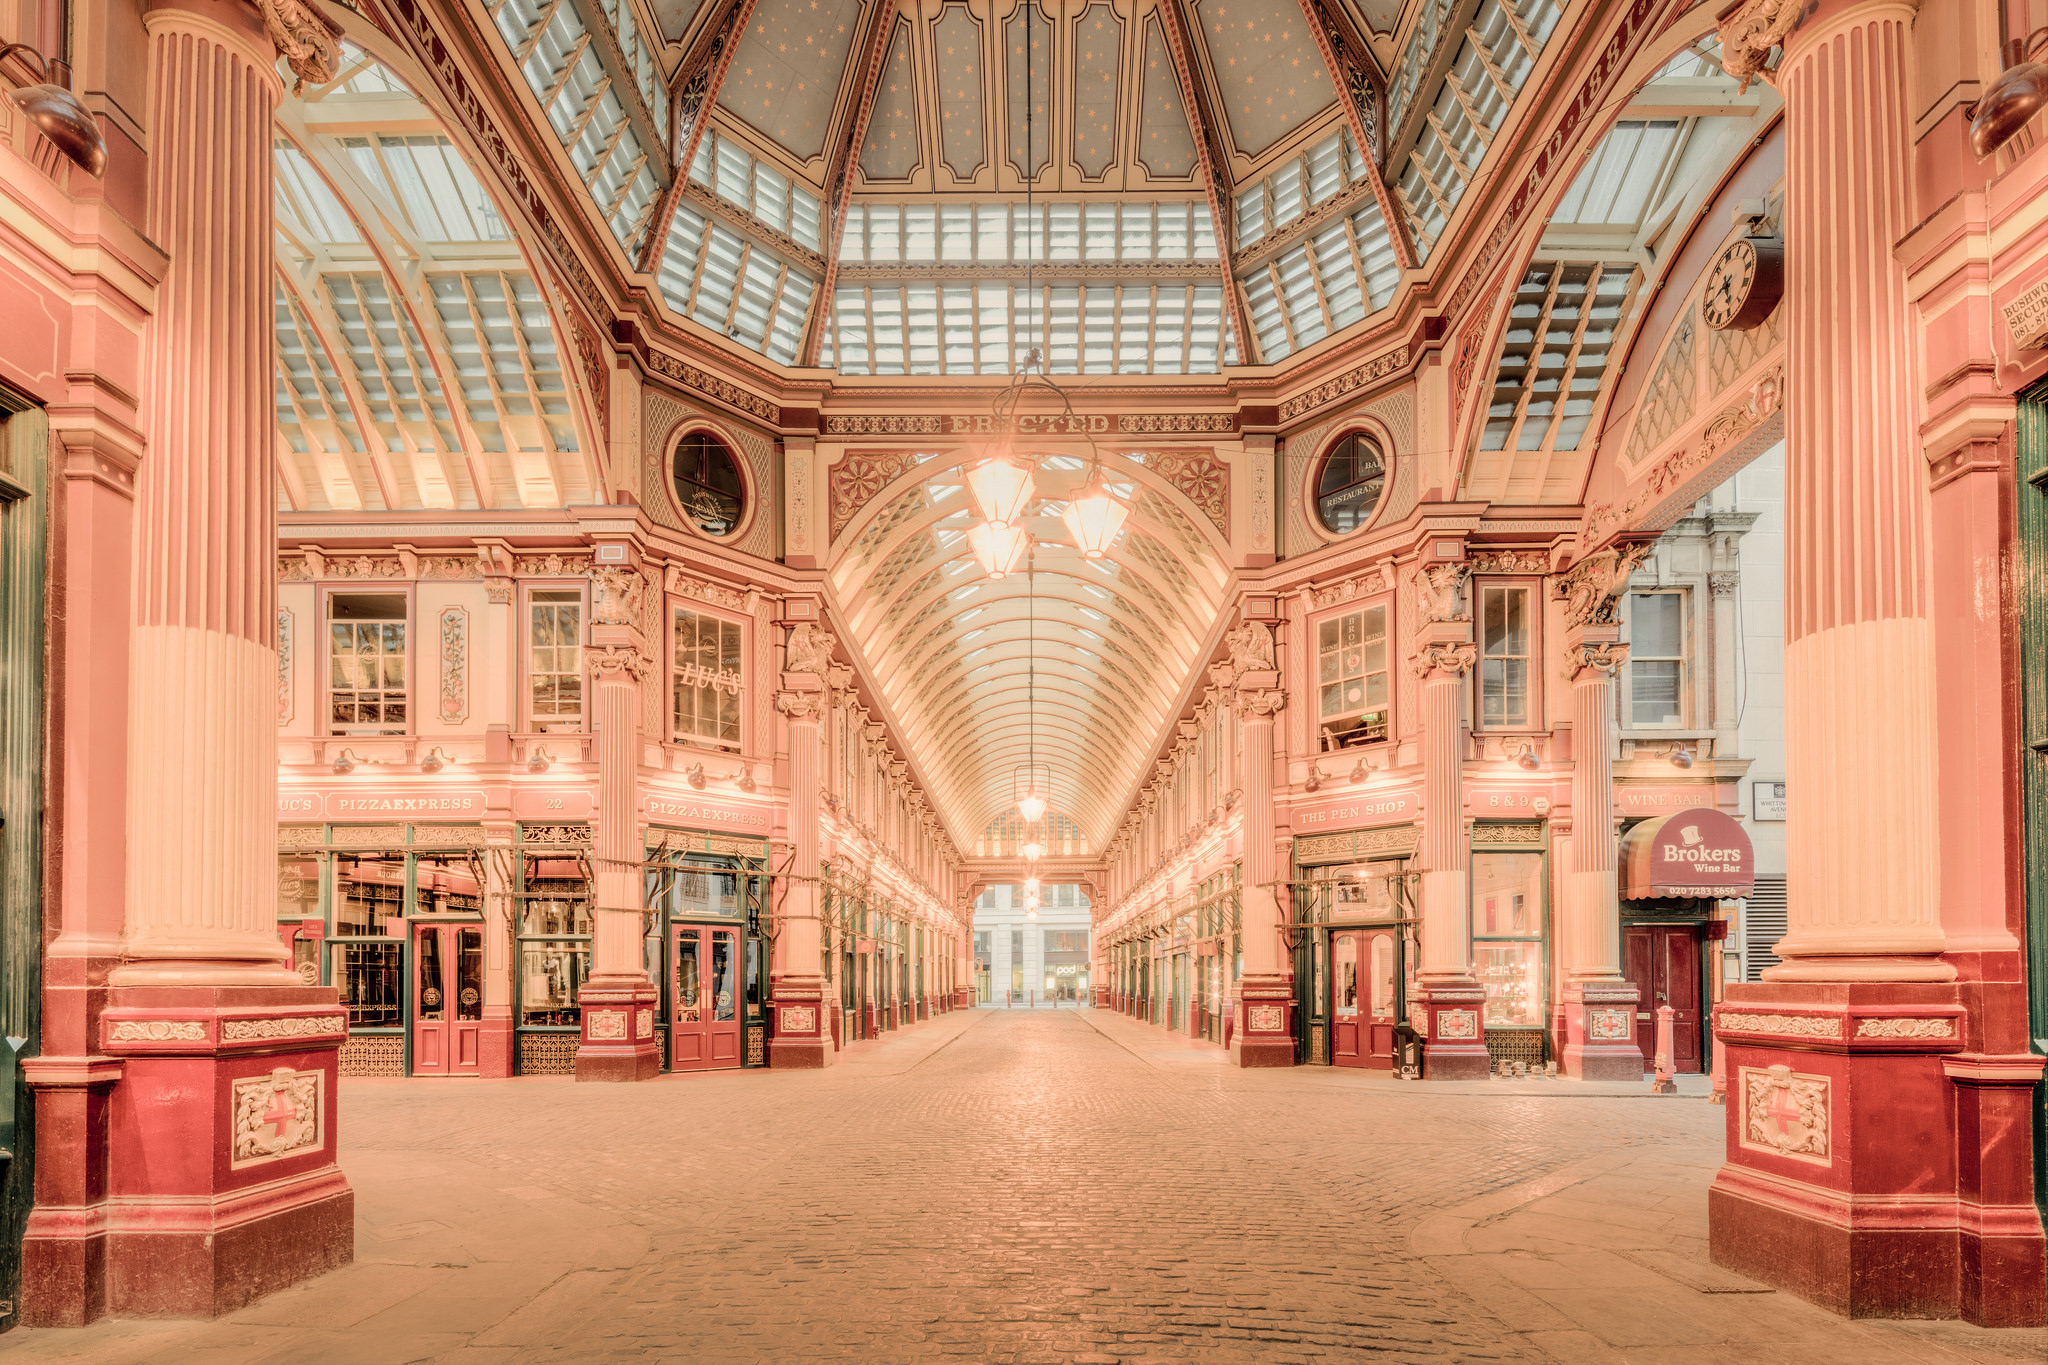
[[800, 1036], [617, 1042], [495, 1043], [1264, 1036], [1600, 1021], [220, 1182], [1876, 1165], [1454, 1044]]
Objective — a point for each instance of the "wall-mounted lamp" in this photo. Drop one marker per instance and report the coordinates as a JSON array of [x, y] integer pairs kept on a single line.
[[434, 761], [58, 115], [1524, 754], [345, 762], [695, 774], [539, 760], [1315, 778], [1681, 757], [2012, 100]]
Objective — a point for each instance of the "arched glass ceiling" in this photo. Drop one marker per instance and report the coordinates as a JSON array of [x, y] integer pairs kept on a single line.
[[417, 359], [1074, 664]]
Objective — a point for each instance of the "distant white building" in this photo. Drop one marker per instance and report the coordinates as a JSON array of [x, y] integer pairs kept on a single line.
[[1027, 955]]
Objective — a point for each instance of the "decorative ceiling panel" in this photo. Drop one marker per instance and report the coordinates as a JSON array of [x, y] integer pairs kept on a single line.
[[1027, 46], [891, 150], [1166, 145], [1268, 70], [785, 77], [1098, 59], [963, 125]]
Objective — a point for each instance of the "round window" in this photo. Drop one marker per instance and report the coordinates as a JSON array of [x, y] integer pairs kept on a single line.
[[1354, 474], [708, 483]]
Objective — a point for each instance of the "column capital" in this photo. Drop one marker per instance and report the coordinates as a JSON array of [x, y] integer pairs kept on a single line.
[[1749, 30], [1595, 656], [614, 663], [803, 706], [1440, 659], [1592, 588], [1258, 703], [309, 44]]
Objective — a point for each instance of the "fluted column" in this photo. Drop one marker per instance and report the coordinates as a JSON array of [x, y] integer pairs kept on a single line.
[[800, 1037], [1451, 999], [619, 1001], [1859, 645], [1600, 1005], [1265, 1031], [202, 796], [495, 1045]]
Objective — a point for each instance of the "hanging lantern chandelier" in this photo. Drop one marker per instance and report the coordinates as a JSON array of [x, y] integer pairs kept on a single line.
[[1002, 488], [997, 548], [1093, 518]]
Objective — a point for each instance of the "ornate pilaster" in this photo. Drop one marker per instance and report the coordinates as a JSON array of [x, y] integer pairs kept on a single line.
[[1450, 1001], [800, 1036], [619, 1001]]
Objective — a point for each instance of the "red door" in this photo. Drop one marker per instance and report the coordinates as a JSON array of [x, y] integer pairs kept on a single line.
[[704, 1032], [1664, 963], [1363, 1009], [1347, 1020], [448, 979]]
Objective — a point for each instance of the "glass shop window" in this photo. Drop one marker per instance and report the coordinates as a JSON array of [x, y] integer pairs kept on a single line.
[[554, 659], [368, 975], [1353, 891], [1507, 936], [685, 888], [1351, 677], [705, 680], [447, 884], [554, 943], [366, 685], [369, 895], [1505, 663], [298, 887], [1349, 485], [1656, 658]]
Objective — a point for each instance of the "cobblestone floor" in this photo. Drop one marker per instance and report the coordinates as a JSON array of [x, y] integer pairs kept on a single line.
[[1012, 1186]]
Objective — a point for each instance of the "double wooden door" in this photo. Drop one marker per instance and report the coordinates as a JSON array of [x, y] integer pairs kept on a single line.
[[704, 1016], [447, 1001], [1664, 963], [1365, 996]]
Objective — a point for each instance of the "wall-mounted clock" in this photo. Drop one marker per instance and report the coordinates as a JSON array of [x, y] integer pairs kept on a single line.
[[1744, 284]]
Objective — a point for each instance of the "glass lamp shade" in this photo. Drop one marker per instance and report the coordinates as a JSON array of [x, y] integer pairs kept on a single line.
[[1030, 914], [998, 549], [1002, 490], [1093, 519], [68, 124], [1032, 807], [1031, 899], [1033, 851], [1031, 885]]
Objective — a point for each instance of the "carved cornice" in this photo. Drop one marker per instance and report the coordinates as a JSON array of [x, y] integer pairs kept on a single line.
[[800, 707], [1352, 380], [613, 662], [1443, 660], [1258, 703], [1749, 34], [309, 44]]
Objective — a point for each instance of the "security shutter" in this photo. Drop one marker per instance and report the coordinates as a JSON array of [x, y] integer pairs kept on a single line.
[[1763, 924]]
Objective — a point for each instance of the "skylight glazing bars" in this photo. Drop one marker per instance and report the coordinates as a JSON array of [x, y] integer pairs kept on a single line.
[[1494, 60], [878, 234], [556, 52], [926, 327], [734, 285], [1561, 332]]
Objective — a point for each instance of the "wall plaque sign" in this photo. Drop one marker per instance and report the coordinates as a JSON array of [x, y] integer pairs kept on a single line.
[[552, 803], [419, 805], [698, 813], [1354, 812]]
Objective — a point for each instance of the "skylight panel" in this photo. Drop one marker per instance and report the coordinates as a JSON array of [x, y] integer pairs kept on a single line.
[[302, 197]]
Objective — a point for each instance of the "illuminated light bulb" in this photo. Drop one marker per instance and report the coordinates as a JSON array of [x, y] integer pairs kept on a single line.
[[997, 548], [1032, 851], [1093, 519], [1030, 914], [1031, 884], [1031, 807], [1001, 487]]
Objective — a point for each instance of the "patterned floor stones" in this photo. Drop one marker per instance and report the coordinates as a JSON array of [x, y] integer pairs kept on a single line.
[[1024, 1187]]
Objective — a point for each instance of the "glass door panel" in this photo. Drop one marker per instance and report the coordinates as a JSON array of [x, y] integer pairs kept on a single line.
[[704, 1010], [1381, 967], [724, 1031], [687, 1050], [1347, 1045], [429, 1004]]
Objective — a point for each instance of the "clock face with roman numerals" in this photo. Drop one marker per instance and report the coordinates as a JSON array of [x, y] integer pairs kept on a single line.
[[1745, 284]]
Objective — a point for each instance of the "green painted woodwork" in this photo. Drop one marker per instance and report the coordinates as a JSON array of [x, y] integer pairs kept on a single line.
[[24, 512], [2033, 675]]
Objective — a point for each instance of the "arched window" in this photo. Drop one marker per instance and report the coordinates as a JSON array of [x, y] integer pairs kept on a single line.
[[1348, 487], [708, 483]]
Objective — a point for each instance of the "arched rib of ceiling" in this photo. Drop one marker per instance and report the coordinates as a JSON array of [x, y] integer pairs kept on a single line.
[[1111, 642], [419, 360]]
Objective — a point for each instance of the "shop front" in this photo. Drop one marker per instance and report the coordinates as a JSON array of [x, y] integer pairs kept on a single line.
[[1677, 871], [1511, 938], [1352, 928], [706, 947], [552, 926]]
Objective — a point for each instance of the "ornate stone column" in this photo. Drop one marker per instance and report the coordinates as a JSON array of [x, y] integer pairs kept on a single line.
[[799, 1036], [1601, 1014], [1856, 1175], [1449, 999], [495, 1039], [221, 1148], [619, 1001], [1265, 1034]]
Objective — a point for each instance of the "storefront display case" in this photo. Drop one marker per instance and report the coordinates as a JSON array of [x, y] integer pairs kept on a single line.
[[707, 948], [1352, 925], [1510, 938]]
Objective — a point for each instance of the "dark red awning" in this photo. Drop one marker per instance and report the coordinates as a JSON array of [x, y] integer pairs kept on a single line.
[[1698, 852]]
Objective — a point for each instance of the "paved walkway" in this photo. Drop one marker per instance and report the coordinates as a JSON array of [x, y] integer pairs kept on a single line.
[[1017, 1186]]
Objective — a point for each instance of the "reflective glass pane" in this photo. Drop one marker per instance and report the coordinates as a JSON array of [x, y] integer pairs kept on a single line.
[[367, 977], [551, 976], [722, 974], [469, 974], [428, 966]]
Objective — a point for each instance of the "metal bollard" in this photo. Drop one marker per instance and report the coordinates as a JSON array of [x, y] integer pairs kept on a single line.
[[1663, 1084]]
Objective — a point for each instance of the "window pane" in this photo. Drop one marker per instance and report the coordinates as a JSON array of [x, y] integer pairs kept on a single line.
[[1656, 625], [1654, 692]]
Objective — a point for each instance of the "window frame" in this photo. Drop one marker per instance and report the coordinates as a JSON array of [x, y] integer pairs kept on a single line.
[[527, 590], [1312, 664], [750, 492], [1690, 703], [743, 744], [1533, 586], [405, 590], [1312, 479]]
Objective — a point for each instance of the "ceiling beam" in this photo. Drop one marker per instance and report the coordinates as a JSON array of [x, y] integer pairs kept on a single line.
[[839, 173], [1209, 151], [694, 90], [1362, 89]]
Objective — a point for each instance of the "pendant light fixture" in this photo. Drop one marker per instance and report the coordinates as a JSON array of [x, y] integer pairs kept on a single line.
[[1002, 489], [1093, 517], [58, 115], [997, 548]]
